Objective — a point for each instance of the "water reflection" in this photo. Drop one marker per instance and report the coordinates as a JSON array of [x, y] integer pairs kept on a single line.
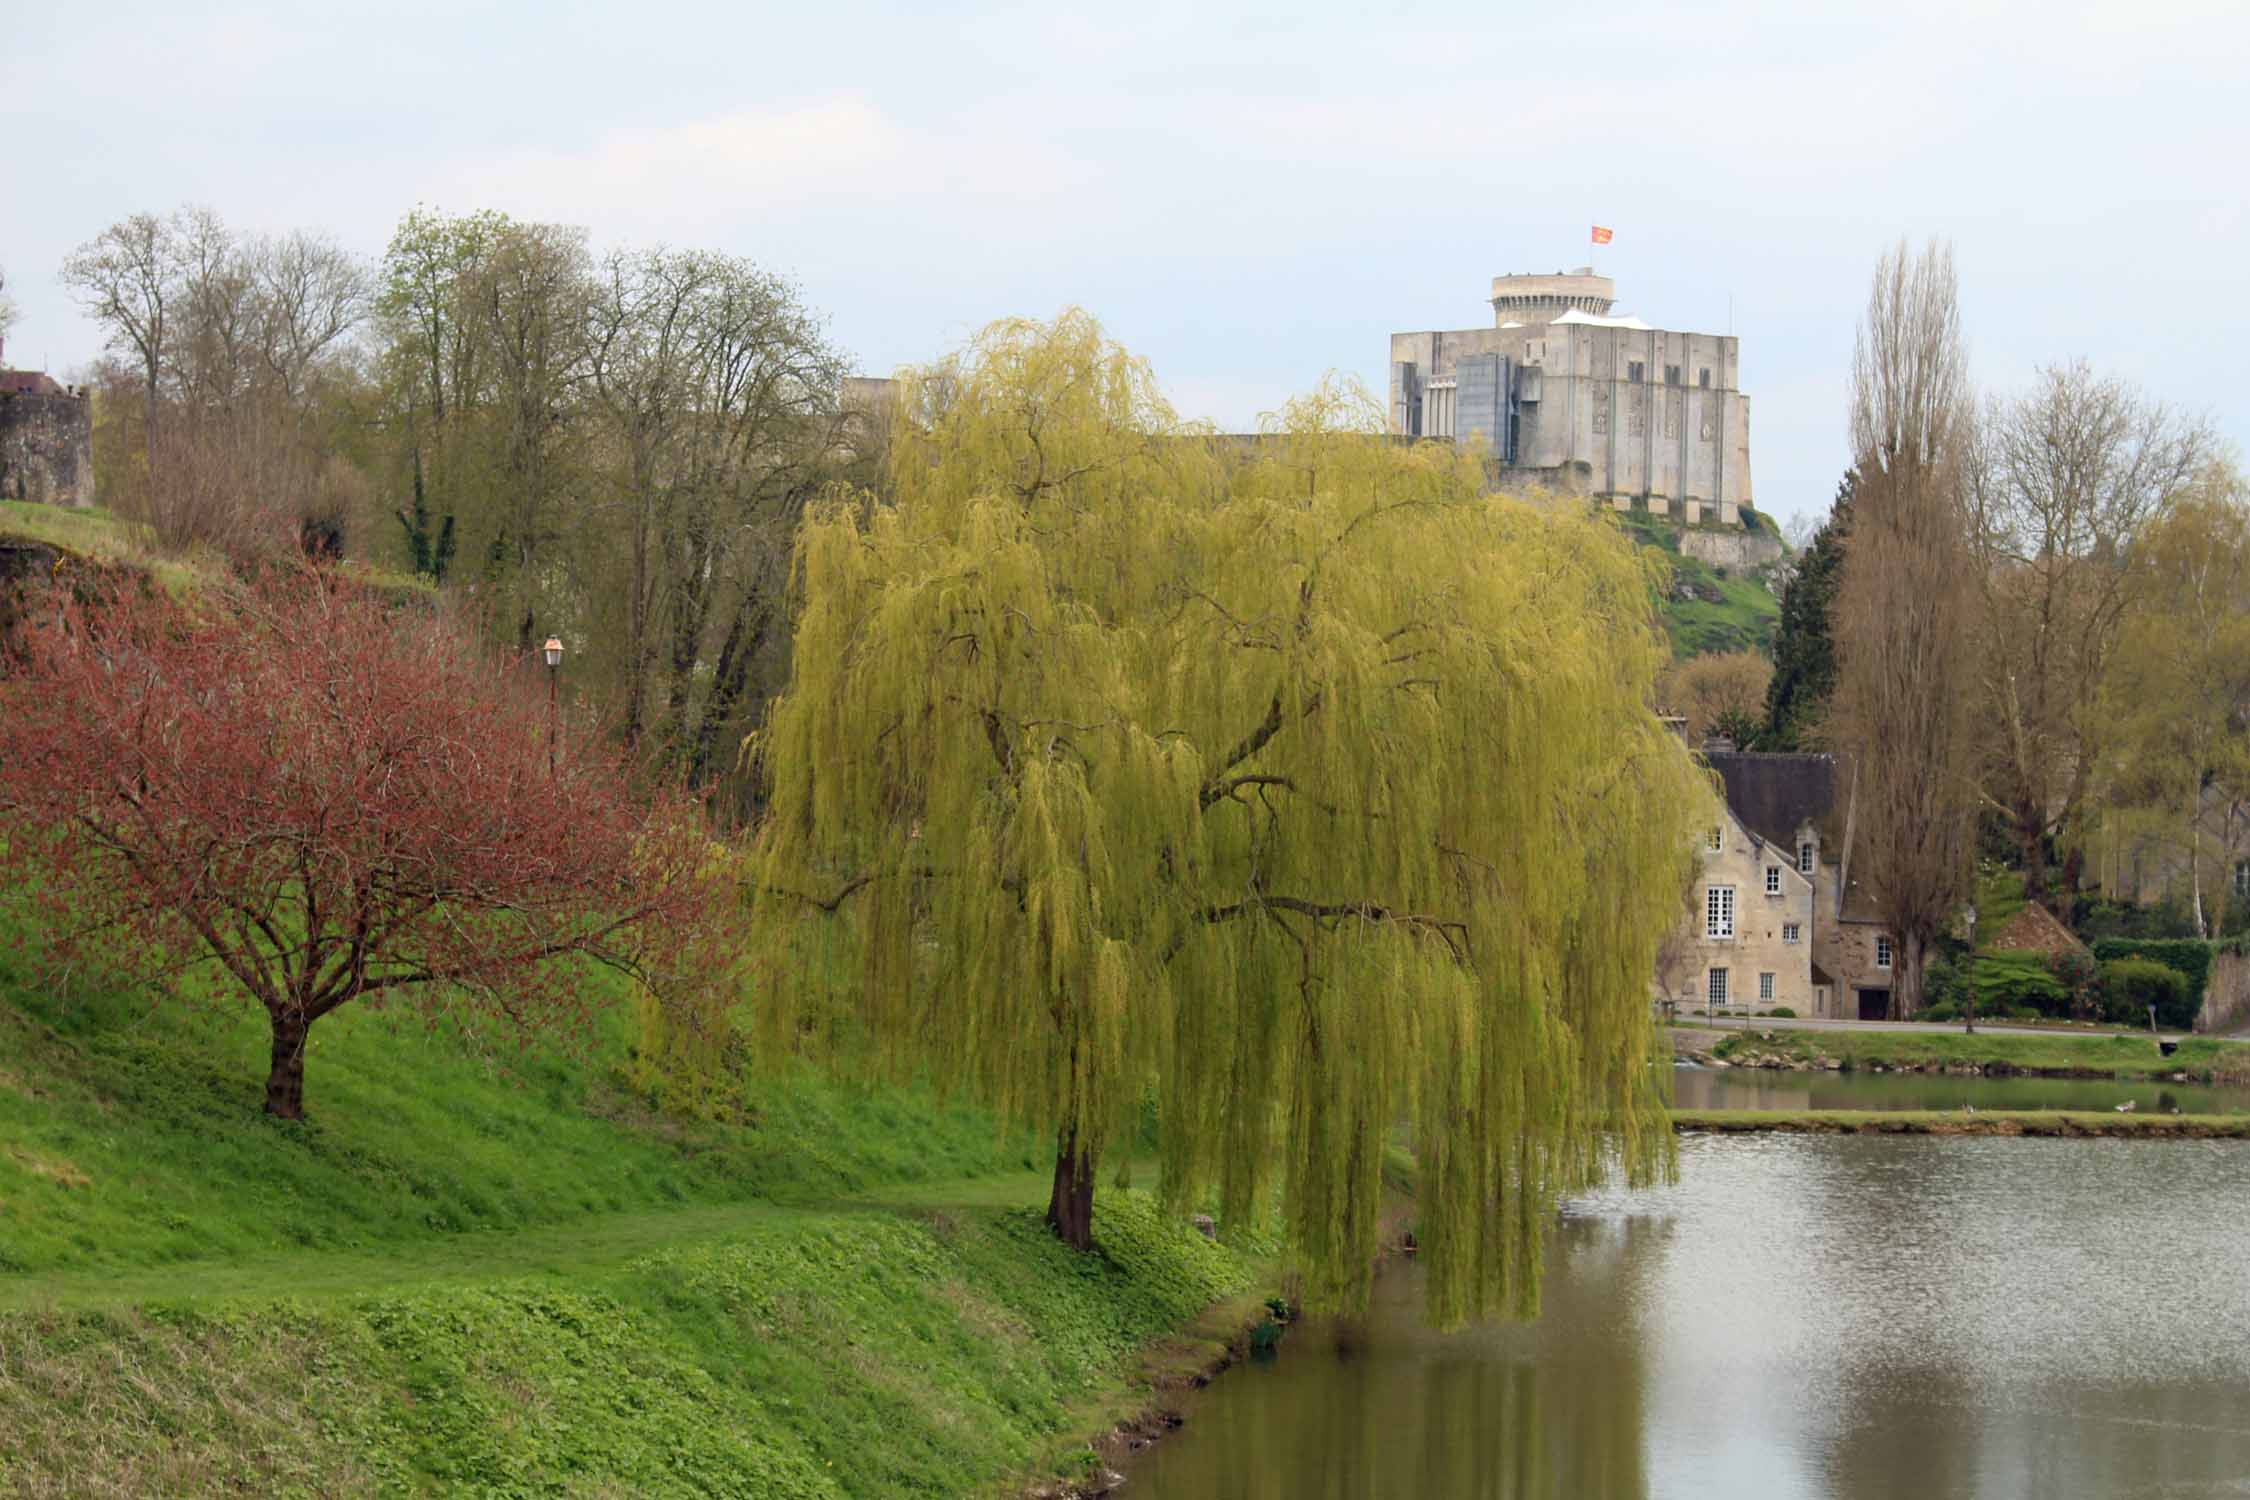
[[1802, 1316]]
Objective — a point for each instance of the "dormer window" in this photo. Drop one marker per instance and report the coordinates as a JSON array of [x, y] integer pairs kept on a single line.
[[1807, 854]]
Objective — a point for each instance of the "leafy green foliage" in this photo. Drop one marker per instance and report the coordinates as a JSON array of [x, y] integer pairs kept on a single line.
[[2131, 985], [1999, 896], [2162, 920], [2190, 957], [1804, 650], [1310, 784], [2005, 981]]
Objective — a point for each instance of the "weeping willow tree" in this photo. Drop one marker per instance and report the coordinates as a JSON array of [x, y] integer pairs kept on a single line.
[[1298, 783]]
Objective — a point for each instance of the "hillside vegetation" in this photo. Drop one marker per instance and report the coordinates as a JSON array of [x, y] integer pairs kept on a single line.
[[1706, 610], [516, 1275]]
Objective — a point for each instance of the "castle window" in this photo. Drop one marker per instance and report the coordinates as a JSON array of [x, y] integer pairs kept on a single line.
[[1703, 377], [1765, 988], [1882, 950], [1715, 987], [1718, 912], [1635, 371], [1791, 932], [1805, 857], [1773, 880], [1671, 374]]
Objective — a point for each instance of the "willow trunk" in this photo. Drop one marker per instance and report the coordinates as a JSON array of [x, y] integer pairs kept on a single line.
[[1070, 1207]]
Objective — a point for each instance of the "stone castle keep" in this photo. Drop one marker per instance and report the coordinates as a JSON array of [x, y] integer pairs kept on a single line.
[[46, 440], [1572, 399]]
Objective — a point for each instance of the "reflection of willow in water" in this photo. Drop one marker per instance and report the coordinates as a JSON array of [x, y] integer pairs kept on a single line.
[[1503, 1412]]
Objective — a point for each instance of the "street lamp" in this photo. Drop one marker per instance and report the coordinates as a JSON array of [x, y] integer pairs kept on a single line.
[[553, 652]]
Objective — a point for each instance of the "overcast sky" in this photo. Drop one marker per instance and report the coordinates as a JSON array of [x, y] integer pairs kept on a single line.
[[1248, 195]]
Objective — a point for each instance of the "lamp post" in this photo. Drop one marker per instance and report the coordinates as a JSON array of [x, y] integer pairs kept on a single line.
[[553, 652]]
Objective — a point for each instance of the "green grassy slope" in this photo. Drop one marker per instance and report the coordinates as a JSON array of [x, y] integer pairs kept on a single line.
[[518, 1278], [1703, 611], [2097, 1056]]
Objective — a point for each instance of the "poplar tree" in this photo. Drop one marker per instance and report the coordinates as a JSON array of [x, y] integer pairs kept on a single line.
[[1904, 610], [1296, 785]]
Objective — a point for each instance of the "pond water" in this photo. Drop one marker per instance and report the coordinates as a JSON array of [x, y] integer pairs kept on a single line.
[[1832, 1316], [1764, 1088]]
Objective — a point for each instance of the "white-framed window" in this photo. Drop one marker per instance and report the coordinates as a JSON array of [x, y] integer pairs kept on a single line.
[[1773, 880], [1791, 933], [1715, 987], [1718, 911], [1716, 839], [1882, 950], [1806, 854], [1765, 988]]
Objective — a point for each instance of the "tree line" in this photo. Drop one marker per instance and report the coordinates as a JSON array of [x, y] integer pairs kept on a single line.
[[1289, 792], [610, 449], [2024, 627]]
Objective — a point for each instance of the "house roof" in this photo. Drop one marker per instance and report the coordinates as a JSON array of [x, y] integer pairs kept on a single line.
[[2035, 928], [1775, 795], [28, 382]]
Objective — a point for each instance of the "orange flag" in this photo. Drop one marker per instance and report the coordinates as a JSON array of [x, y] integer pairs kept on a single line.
[[1601, 235]]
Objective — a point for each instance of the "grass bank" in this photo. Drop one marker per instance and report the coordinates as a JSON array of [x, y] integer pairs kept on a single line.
[[514, 1274], [2200, 1059], [2074, 1123]]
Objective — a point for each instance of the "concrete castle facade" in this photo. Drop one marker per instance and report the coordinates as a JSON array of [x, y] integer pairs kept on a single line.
[[1571, 398]]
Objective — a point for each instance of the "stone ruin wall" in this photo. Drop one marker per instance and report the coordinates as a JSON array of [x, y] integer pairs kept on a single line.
[[46, 448], [2226, 994]]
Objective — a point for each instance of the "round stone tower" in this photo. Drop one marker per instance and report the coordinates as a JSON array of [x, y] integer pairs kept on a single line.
[[1542, 299]]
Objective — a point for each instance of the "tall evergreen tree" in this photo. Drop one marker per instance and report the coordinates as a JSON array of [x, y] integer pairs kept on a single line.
[[1804, 648]]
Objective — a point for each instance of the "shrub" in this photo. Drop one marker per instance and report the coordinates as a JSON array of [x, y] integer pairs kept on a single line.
[[2131, 985], [1785, 1012], [1942, 984], [2190, 957], [2010, 982], [2165, 921], [2075, 970], [1943, 1010]]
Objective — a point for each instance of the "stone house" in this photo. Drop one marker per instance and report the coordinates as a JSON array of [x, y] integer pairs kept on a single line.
[[1770, 922]]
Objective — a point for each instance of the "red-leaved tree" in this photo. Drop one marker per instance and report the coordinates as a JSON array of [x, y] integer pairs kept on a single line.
[[332, 797]]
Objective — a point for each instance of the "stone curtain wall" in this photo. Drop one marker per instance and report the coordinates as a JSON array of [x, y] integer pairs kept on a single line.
[[1732, 549], [46, 448], [2226, 996]]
